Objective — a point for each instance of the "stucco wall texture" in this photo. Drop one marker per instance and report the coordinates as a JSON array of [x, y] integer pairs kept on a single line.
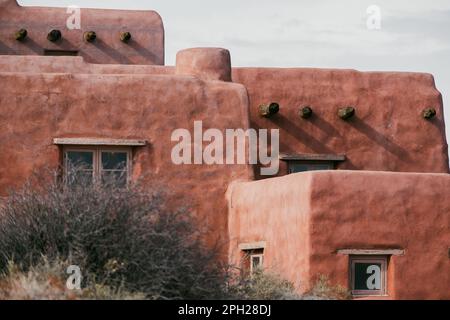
[[146, 27], [394, 197], [387, 133], [305, 218], [39, 107]]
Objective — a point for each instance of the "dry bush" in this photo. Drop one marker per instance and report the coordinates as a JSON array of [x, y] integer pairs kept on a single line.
[[123, 237], [43, 281], [127, 244], [47, 281], [323, 290], [263, 286]]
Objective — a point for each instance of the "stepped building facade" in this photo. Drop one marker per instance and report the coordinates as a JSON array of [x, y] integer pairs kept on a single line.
[[360, 190]]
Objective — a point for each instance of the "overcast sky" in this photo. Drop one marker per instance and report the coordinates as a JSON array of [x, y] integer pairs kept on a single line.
[[414, 34]]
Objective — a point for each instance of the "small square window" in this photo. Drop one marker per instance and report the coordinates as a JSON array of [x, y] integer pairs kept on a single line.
[[368, 275]]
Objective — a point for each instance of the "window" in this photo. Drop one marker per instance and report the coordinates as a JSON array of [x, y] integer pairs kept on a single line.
[[311, 162], [368, 275], [97, 164], [79, 166], [256, 262], [302, 166], [253, 260], [60, 52]]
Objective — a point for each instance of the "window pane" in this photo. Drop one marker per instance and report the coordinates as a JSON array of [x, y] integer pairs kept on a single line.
[[117, 178], [302, 167], [256, 262], [81, 159], [80, 177], [368, 276], [114, 160]]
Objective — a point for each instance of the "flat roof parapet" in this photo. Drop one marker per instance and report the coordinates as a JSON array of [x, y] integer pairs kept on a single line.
[[52, 29], [205, 63]]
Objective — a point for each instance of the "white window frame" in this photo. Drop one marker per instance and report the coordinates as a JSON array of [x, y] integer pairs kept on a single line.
[[97, 162], [383, 260]]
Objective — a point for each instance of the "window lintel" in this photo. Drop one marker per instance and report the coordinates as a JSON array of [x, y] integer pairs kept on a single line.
[[252, 246], [99, 142], [371, 252], [313, 157]]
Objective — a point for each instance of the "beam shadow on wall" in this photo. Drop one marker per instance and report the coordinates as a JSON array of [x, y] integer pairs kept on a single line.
[[33, 46], [380, 139], [111, 52], [324, 125], [5, 50], [142, 51], [297, 132]]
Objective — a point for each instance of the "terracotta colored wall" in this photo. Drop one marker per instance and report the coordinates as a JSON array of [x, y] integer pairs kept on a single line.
[[317, 213], [388, 133], [205, 63], [304, 218], [42, 64], [146, 27], [35, 108], [275, 211]]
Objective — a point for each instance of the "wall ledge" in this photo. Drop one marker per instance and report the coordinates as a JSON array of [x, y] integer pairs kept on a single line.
[[312, 157], [252, 246], [363, 252], [100, 142]]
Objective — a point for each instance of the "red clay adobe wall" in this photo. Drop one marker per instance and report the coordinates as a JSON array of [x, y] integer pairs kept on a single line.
[[274, 211], [35, 108], [146, 27], [387, 134], [306, 217], [61, 64]]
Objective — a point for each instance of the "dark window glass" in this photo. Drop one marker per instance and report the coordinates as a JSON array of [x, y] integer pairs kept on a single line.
[[114, 168], [114, 160], [60, 52], [368, 276], [256, 262], [81, 159], [297, 166], [80, 167]]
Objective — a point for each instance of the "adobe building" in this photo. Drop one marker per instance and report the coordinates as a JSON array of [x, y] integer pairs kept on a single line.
[[361, 194]]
